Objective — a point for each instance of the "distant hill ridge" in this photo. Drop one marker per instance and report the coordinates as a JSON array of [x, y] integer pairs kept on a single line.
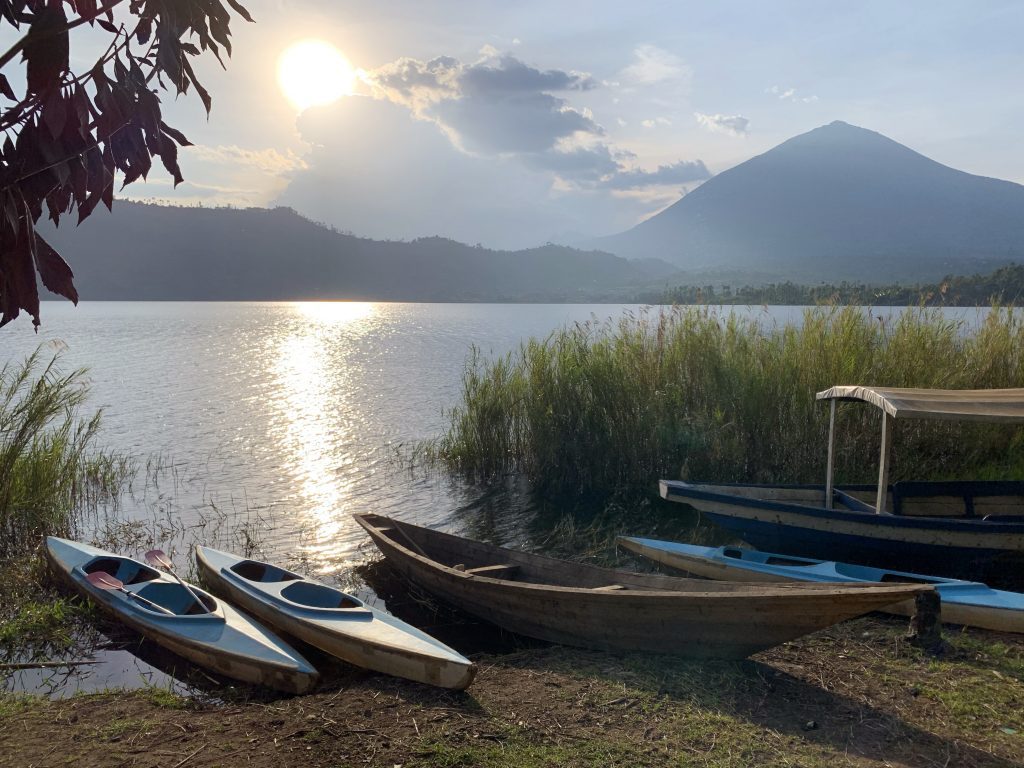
[[838, 202], [157, 252]]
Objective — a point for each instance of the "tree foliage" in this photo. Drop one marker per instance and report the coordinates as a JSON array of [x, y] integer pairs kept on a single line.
[[68, 135]]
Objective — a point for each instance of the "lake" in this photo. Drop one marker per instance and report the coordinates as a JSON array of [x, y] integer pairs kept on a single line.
[[279, 420]]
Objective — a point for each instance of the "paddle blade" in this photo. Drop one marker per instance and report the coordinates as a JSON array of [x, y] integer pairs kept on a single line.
[[157, 558], [103, 580]]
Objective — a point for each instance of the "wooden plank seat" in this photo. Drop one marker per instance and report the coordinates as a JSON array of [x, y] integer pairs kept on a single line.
[[609, 588], [502, 571]]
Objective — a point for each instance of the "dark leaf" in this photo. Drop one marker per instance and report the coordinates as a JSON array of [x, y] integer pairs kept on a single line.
[[5, 88], [55, 112], [46, 49], [108, 26], [240, 10], [175, 134], [203, 94], [169, 157], [54, 271]]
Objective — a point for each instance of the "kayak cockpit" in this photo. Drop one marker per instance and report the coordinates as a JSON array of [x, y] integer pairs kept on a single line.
[[125, 570], [155, 590], [254, 570], [314, 595], [176, 599], [301, 592]]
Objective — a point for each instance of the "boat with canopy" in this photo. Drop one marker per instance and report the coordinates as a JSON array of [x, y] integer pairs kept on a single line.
[[968, 529]]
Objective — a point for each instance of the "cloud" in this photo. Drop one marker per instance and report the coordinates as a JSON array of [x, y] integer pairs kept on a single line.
[[790, 94], [494, 106], [733, 125], [655, 122], [682, 172], [378, 172], [655, 65], [266, 160]]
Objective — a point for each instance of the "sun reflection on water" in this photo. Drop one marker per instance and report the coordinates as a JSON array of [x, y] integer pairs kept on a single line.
[[318, 420]]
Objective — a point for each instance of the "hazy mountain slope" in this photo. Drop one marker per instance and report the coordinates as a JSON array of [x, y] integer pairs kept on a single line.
[[837, 202], [162, 252]]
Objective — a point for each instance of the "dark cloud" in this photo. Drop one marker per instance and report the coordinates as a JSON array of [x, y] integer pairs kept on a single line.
[[682, 172], [490, 107], [577, 165], [511, 76]]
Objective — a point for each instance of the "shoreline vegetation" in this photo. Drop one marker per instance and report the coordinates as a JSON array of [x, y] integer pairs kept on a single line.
[[602, 410], [1004, 286]]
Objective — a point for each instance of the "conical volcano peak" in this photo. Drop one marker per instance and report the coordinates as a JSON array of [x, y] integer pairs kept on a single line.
[[838, 202]]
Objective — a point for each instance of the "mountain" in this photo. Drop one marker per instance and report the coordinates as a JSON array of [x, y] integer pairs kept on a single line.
[[154, 252], [838, 202]]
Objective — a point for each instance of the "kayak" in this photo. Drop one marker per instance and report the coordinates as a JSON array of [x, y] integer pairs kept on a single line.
[[333, 621], [963, 602], [212, 635]]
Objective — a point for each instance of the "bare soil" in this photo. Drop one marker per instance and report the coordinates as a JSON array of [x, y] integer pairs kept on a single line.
[[857, 695]]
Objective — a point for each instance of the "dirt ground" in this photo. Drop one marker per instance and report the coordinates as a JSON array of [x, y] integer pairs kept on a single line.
[[853, 695]]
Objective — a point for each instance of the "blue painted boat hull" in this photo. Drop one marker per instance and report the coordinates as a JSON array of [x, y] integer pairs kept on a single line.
[[963, 602], [990, 551]]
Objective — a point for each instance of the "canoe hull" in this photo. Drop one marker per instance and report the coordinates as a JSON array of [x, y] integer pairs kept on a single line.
[[391, 660], [975, 549], [654, 614], [707, 562], [294, 675]]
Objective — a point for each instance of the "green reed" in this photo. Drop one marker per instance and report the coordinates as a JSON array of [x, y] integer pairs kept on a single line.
[[707, 394], [50, 470]]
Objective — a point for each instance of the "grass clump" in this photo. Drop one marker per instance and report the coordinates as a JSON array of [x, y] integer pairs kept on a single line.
[[51, 476], [723, 396]]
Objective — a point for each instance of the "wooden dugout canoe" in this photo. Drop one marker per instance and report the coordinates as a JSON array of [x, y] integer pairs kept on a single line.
[[220, 639], [333, 621], [963, 602], [607, 609]]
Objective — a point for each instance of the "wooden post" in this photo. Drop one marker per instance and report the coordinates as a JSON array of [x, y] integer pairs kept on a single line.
[[883, 464], [926, 623], [831, 453]]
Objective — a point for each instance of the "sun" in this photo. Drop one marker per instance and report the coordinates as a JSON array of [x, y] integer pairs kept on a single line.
[[313, 73]]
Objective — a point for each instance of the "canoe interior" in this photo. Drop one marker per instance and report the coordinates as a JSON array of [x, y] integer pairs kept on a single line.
[[302, 592], [172, 596], [950, 499], [489, 561]]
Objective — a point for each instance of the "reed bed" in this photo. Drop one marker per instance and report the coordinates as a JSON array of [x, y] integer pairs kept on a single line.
[[707, 394], [50, 469]]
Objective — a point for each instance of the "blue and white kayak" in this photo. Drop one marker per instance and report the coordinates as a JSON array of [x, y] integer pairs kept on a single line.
[[333, 621], [963, 602], [213, 635]]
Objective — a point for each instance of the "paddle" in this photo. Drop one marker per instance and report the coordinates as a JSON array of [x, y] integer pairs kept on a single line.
[[106, 581], [158, 559]]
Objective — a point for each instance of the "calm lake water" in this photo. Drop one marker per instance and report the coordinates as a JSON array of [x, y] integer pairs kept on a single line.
[[282, 419]]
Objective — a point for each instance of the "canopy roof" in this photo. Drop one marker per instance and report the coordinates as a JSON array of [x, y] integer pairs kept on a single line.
[[944, 404]]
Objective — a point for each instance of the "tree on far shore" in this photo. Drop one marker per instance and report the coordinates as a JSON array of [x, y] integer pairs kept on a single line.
[[66, 135]]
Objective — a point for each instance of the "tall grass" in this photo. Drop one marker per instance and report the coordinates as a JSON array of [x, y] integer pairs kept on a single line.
[[50, 469], [702, 394]]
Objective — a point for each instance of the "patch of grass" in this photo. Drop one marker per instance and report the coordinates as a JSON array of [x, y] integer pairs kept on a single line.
[[165, 698], [15, 703], [48, 621], [702, 393], [519, 748]]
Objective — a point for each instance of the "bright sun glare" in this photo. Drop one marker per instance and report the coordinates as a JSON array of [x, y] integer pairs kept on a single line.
[[313, 73]]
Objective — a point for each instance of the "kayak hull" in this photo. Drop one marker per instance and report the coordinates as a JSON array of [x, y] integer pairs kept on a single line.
[[359, 635], [223, 640]]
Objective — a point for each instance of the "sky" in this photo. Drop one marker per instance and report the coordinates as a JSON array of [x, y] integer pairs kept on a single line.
[[514, 124]]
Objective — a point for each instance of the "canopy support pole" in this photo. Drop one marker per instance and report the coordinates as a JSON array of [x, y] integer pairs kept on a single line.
[[883, 464], [831, 453]]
